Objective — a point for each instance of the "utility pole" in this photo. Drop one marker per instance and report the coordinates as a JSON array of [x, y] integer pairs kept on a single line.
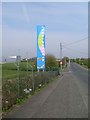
[[69, 62], [18, 77], [18, 70], [61, 57], [27, 63], [33, 84], [33, 80]]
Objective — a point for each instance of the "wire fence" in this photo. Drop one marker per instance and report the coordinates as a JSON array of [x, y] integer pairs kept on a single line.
[[14, 90]]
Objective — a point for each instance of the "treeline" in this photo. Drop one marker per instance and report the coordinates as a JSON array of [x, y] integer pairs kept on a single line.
[[24, 65], [82, 61]]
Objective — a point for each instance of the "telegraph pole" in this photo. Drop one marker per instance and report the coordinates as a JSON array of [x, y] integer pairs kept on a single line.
[[18, 70], [61, 57], [27, 63]]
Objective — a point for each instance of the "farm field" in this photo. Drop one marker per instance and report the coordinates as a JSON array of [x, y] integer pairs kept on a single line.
[[9, 70], [10, 74]]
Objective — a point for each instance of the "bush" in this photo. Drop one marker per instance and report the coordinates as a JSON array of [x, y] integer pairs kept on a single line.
[[51, 61], [10, 87]]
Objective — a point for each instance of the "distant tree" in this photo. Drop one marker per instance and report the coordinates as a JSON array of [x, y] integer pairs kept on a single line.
[[77, 60], [51, 61], [66, 59], [73, 60], [89, 63]]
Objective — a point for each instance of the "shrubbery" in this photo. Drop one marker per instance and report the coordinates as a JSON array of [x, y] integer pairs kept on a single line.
[[10, 87], [83, 61]]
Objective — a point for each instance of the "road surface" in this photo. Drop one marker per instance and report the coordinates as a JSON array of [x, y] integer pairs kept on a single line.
[[65, 97]]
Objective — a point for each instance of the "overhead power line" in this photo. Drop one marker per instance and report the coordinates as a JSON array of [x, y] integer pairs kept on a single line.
[[74, 50], [76, 41]]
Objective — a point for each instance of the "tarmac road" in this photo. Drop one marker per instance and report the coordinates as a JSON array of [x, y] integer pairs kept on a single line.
[[66, 97]]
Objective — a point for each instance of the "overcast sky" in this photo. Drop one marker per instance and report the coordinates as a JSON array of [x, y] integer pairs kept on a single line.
[[64, 22]]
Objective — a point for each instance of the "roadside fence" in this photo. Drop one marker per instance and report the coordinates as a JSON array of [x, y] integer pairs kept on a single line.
[[13, 91]]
